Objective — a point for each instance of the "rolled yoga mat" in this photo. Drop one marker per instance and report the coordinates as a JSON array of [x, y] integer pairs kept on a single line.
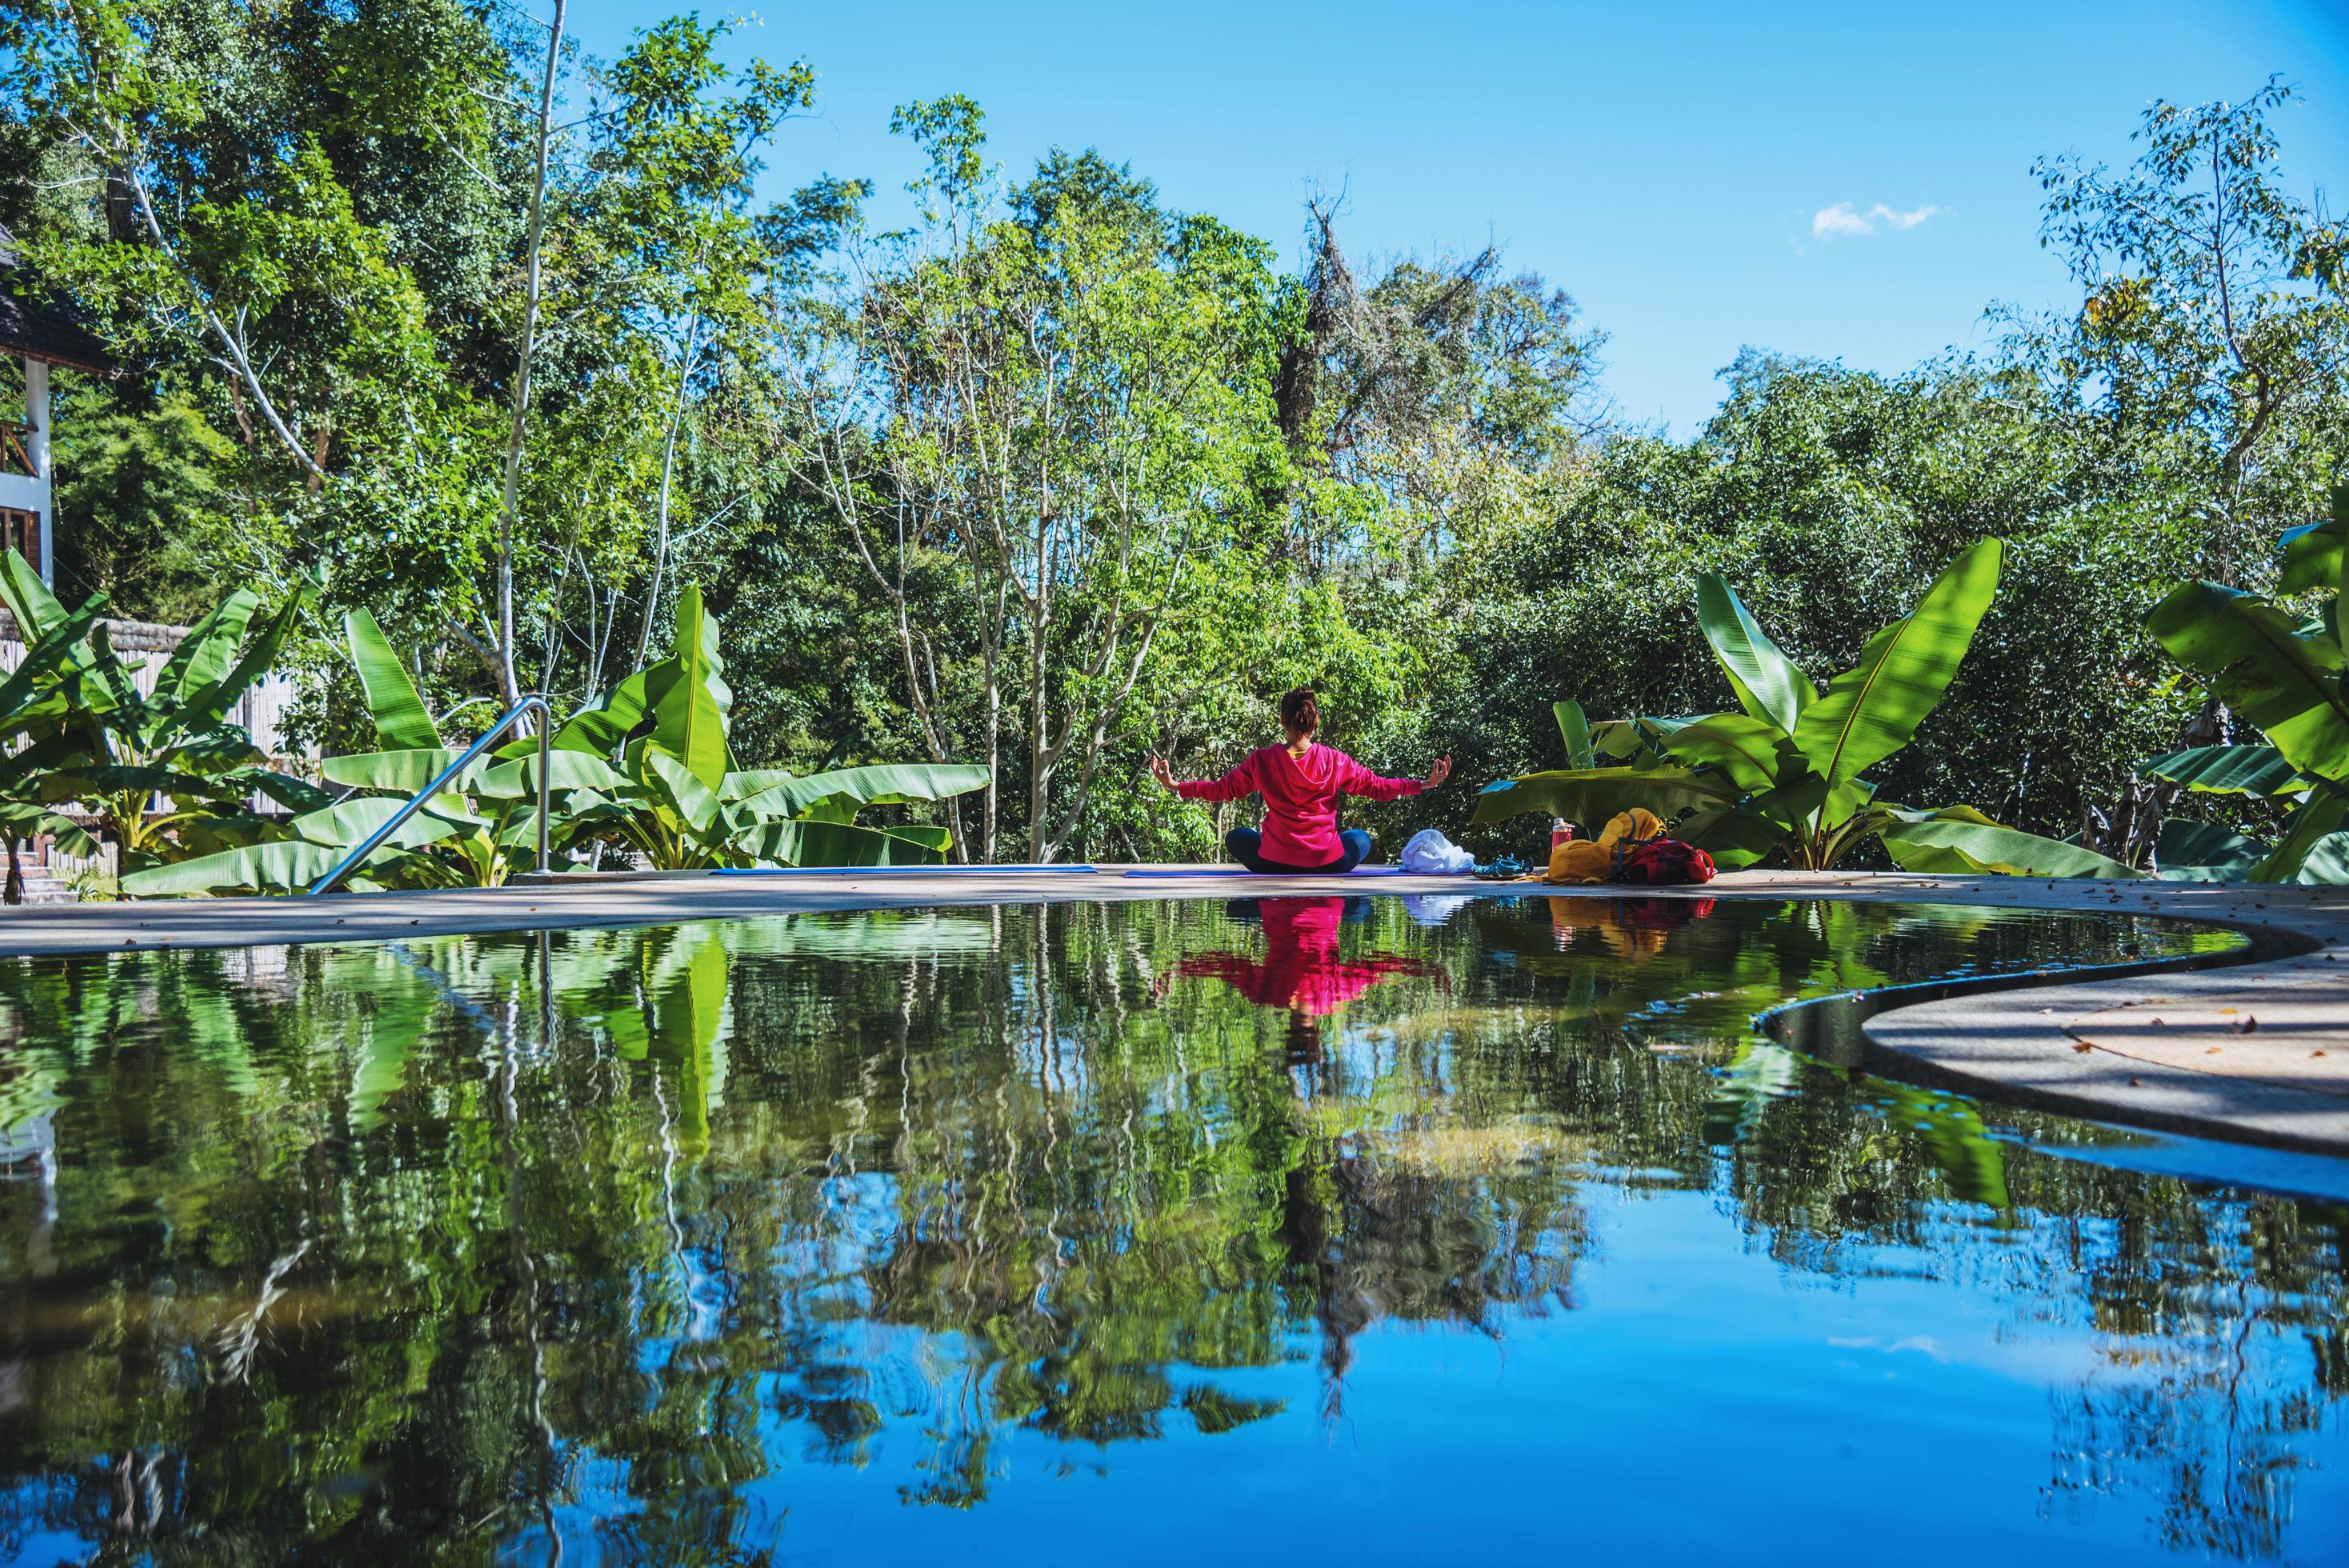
[[883, 871], [1244, 872]]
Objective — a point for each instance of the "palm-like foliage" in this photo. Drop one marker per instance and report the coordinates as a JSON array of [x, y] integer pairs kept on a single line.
[[2286, 676], [37, 737], [649, 767], [164, 768], [471, 835], [683, 804], [1787, 772]]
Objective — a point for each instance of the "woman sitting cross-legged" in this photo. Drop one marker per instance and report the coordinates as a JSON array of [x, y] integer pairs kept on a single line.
[[1301, 783]]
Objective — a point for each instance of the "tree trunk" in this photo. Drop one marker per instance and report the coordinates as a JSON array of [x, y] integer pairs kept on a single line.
[[668, 468], [16, 888], [509, 679]]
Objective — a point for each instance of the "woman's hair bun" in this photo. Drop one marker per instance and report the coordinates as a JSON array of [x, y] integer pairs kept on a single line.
[[1300, 714]]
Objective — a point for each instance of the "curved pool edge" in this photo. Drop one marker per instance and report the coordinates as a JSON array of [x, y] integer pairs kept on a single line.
[[2039, 1046], [2001, 1041], [2018, 1039]]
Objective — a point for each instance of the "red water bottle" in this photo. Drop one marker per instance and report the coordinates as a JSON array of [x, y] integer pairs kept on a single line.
[[1561, 831]]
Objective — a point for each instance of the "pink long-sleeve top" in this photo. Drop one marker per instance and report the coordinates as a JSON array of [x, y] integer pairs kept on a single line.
[[1301, 797]]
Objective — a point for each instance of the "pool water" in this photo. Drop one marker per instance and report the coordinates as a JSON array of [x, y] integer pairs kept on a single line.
[[1373, 1230]]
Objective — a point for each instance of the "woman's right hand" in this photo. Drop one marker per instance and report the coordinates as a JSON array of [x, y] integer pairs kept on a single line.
[[1159, 770]]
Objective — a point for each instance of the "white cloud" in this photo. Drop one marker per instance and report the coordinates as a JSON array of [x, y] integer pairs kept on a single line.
[[1843, 220], [1839, 219]]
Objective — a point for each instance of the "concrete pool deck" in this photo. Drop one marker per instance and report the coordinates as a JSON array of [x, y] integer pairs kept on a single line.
[[2255, 1052]]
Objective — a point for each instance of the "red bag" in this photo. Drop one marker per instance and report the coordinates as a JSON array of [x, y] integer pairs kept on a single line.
[[1664, 862]]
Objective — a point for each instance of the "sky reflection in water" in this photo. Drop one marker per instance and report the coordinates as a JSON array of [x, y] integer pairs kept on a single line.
[[1383, 1229]]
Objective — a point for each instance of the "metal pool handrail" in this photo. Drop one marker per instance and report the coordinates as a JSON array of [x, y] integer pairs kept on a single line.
[[375, 839]]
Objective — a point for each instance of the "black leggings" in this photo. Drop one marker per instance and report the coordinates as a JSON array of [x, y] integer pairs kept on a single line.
[[1246, 845]]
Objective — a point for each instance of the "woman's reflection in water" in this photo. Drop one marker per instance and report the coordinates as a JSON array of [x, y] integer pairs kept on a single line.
[[1301, 969], [1302, 972]]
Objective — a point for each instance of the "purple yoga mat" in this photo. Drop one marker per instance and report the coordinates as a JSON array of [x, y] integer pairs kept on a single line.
[[1236, 870]]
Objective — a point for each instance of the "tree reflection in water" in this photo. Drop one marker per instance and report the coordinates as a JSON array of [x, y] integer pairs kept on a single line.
[[473, 1245]]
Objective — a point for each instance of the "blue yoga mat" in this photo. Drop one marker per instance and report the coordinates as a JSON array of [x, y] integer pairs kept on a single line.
[[1236, 870], [878, 871]]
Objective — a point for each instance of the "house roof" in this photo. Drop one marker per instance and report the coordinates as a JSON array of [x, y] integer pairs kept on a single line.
[[45, 326]]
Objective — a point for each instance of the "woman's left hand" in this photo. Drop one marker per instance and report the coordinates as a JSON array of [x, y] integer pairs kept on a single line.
[[1439, 773]]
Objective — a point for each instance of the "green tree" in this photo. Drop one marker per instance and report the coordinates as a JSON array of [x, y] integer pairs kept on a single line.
[[2215, 309], [1056, 398]]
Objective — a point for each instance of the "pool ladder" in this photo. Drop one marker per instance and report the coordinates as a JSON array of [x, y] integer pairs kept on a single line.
[[512, 716]]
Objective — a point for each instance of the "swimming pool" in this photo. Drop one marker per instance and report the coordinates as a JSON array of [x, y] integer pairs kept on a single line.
[[1382, 1229]]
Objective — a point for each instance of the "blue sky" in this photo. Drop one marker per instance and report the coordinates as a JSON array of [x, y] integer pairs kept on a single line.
[[1666, 164]]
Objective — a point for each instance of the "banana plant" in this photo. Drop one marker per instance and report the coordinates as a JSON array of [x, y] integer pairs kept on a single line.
[[296, 853], [683, 805], [37, 737], [1787, 772], [492, 810], [2285, 674], [172, 744], [649, 766], [472, 834]]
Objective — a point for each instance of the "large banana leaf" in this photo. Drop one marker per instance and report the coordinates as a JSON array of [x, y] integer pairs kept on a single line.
[[82, 783], [2313, 556], [2227, 770], [1575, 730], [2327, 863], [289, 865], [749, 781], [695, 804], [1745, 747], [687, 697], [796, 843], [1591, 795], [295, 795], [2316, 819], [1959, 841], [1768, 685], [2203, 852], [400, 772], [2341, 575], [2259, 661], [36, 609], [881, 784], [209, 649], [347, 822], [1639, 742], [22, 692], [23, 819], [202, 705], [283, 865], [565, 770], [599, 727], [1873, 710], [1734, 836], [401, 721]]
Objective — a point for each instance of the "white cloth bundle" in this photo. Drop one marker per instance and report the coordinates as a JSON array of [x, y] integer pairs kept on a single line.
[[1430, 853]]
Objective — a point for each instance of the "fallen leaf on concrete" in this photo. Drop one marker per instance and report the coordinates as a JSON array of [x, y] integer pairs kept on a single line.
[[2250, 1026], [2083, 1045]]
